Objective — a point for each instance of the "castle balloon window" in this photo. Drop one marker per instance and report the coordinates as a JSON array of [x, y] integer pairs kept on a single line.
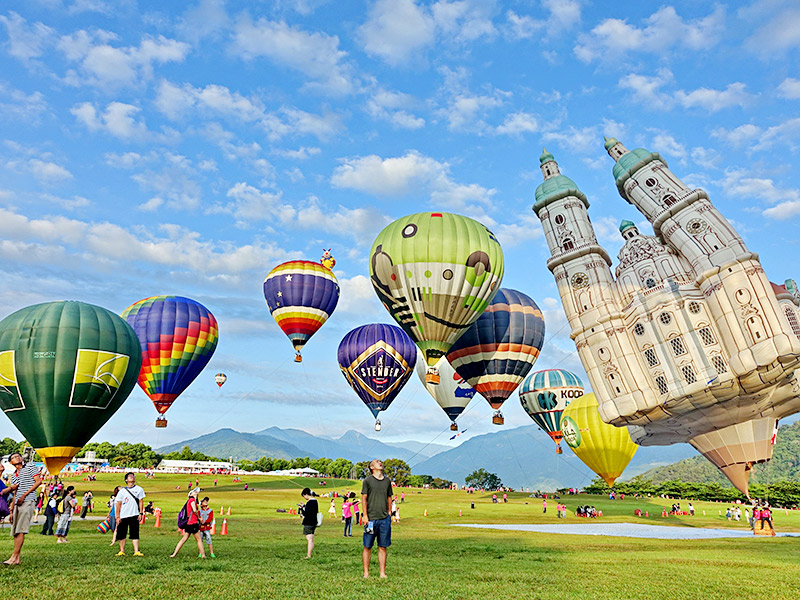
[[665, 318], [651, 357], [650, 182], [694, 308], [661, 382], [719, 364], [677, 346], [688, 374], [707, 336], [638, 329], [560, 219]]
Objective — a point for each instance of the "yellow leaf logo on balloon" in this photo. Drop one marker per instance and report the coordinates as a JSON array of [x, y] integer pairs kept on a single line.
[[9, 392], [98, 375]]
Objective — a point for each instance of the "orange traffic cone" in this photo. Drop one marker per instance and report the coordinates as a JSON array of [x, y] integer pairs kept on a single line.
[[663, 512], [158, 517], [224, 530], [229, 511], [221, 510], [92, 505], [426, 513], [214, 527], [459, 512], [647, 513]]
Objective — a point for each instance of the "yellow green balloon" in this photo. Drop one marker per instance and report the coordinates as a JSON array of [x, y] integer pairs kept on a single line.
[[603, 448]]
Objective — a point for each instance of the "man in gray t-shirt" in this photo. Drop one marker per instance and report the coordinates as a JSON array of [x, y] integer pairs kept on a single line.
[[376, 498]]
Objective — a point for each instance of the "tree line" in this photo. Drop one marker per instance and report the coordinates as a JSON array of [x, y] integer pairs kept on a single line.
[[781, 493]]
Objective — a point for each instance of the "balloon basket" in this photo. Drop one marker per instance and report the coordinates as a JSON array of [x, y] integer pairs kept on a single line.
[[497, 418], [453, 427], [559, 450], [298, 358], [432, 377], [161, 422], [378, 425]]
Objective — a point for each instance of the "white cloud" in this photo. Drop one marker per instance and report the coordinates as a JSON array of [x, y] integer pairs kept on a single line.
[[708, 158], [47, 171], [523, 231], [358, 296], [758, 138], [176, 183], [172, 247], [394, 108], [648, 90], [251, 204], [584, 140], [21, 106], [302, 153], [106, 66], [780, 34], [67, 203], [26, 42], [786, 201], [118, 119], [413, 171], [466, 110], [316, 54], [397, 30], [789, 88], [663, 31], [464, 20], [518, 123], [563, 15], [206, 19], [713, 100], [667, 144]]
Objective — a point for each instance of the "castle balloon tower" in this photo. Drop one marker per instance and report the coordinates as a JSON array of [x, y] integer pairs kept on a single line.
[[690, 342]]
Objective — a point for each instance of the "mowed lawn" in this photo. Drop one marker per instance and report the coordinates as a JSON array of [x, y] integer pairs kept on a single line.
[[261, 557]]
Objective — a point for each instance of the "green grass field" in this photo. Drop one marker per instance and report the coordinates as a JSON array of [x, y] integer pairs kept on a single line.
[[261, 557]]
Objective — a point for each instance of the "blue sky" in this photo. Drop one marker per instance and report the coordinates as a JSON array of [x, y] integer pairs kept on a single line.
[[188, 148]]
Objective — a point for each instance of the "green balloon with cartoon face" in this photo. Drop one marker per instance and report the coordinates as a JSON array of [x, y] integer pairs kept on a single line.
[[436, 273]]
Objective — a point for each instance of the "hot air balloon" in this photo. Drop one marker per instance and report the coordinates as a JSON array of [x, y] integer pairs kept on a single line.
[[65, 368], [178, 337], [301, 295], [498, 351], [545, 394], [377, 361], [327, 259], [452, 393], [435, 273], [603, 448], [220, 379]]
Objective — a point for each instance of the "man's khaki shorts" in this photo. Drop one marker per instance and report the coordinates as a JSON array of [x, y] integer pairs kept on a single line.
[[22, 516]]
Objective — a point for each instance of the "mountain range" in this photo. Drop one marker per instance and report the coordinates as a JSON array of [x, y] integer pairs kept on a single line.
[[522, 457], [293, 443]]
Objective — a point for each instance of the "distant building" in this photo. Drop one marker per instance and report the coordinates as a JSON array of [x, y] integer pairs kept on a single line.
[[196, 466], [304, 472]]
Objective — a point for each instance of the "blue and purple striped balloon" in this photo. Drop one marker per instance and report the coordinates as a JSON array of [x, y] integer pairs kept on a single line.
[[496, 353], [377, 361]]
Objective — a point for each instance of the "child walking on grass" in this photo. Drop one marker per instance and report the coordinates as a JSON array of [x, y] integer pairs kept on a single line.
[[206, 521]]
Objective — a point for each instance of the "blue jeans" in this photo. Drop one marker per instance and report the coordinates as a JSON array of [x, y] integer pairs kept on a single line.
[[348, 526]]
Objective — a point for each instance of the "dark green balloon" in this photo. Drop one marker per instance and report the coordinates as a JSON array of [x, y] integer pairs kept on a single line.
[[65, 368]]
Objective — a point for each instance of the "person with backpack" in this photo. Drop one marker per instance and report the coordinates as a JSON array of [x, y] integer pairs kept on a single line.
[[309, 510], [129, 510], [189, 523], [65, 507], [50, 514]]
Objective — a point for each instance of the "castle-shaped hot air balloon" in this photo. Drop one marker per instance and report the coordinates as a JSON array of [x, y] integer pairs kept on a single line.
[[690, 342]]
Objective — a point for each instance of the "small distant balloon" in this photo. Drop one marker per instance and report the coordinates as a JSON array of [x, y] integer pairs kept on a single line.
[[452, 393], [220, 379]]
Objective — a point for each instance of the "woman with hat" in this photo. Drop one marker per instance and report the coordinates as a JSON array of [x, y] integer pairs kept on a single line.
[[192, 527]]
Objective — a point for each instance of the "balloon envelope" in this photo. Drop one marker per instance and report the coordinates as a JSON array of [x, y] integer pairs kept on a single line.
[[377, 361], [435, 273], [220, 379], [603, 448], [65, 368], [498, 351], [178, 336], [545, 394], [301, 295], [452, 393]]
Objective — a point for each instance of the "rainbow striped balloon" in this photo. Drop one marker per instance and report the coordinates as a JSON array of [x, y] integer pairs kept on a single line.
[[496, 353], [178, 337], [301, 295]]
